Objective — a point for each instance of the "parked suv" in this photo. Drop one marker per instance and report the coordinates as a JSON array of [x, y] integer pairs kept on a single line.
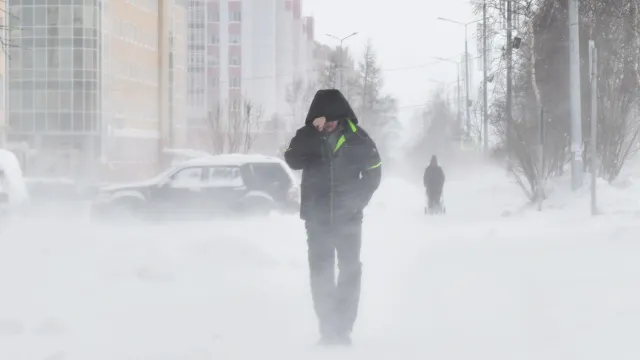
[[4, 195], [219, 185], [13, 192]]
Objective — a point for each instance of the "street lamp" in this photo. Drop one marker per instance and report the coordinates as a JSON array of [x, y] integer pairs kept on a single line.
[[458, 86], [466, 65], [341, 40]]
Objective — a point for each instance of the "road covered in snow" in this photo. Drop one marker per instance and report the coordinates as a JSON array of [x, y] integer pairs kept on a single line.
[[490, 280]]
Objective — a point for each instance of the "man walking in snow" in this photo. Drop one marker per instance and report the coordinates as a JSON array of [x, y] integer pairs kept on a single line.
[[433, 182], [341, 169]]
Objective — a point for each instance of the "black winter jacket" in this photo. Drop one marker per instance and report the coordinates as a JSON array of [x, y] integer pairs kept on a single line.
[[338, 180]]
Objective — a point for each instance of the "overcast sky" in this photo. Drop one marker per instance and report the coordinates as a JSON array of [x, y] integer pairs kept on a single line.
[[406, 34]]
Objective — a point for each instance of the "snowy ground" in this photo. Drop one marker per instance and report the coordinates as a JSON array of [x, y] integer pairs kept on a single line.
[[490, 280]]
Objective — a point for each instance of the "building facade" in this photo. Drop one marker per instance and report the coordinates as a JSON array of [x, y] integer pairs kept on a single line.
[[53, 77], [84, 84], [244, 50], [3, 83], [144, 87]]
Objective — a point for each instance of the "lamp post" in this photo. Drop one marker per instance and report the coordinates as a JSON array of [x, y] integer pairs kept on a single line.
[[341, 40], [575, 95], [466, 66], [485, 82]]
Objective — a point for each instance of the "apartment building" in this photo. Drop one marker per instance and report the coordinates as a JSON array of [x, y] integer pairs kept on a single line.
[[244, 50], [3, 83], [85, 87], [144, 83]]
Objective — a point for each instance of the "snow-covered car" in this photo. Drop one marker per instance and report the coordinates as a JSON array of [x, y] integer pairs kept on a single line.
[[177, 156], [221, 185], [4, 197], [13, 191]]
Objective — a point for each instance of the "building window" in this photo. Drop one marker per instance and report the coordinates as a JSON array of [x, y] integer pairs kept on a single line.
[[125, 30], [213, 60], [120, 29], [213, 16], [1, 91], [235, 83], [234, 106], [235, 16], [214, 39], [213, 82], [234, 39], [234, 60]]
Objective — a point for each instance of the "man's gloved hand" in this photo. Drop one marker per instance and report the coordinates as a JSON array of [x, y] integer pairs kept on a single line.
[[308, 142]]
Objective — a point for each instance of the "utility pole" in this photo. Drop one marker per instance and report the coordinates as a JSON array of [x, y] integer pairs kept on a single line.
[[466, 82], [539, 185], [163, 75], [341, 71], [594, 125], [466, 67], [459, 115], [577, 167], [509, 112], [340, 53], [485, 106]]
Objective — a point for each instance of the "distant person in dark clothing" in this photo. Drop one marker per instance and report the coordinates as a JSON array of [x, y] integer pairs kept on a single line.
[[433, 182], [341, 169]]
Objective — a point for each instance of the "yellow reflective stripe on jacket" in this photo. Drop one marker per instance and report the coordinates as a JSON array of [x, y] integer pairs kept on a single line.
[[352, 125], [342, 139], [375, 166], [339, 143]]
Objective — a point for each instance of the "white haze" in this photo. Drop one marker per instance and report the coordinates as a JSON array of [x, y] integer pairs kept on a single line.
[[492, 279]]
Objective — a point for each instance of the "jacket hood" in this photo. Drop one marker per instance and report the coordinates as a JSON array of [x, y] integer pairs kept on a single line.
[[434, 161], [331, 104]]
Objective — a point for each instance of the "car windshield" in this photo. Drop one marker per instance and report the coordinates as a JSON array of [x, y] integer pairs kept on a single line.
[[163, 176]]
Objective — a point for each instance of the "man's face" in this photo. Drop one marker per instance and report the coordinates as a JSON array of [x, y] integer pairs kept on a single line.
[[329, 126]]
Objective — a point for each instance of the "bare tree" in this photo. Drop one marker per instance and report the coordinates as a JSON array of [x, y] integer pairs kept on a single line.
[[251, 125], [616, 32], [236, 130], [329, 72], [298, 96], [294, 95], [377, 111], [540, 81], [6, 27], [436, 124], [216, 130]]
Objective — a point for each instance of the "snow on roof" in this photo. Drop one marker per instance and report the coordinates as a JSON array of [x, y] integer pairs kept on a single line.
[[191, 153], [234, 159]]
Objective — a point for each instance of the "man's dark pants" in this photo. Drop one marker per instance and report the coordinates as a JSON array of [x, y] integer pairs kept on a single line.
[[335, 303]]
